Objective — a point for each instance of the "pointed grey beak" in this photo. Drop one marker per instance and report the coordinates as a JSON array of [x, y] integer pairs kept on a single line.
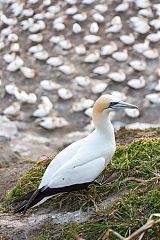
[[121, 104]]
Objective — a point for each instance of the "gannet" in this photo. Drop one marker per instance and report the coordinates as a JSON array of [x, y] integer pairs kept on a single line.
[[15, 65], [64, 93], [15, 47], [83, 104], [98, 87], [12, 37], [79, 164], [28, 72]]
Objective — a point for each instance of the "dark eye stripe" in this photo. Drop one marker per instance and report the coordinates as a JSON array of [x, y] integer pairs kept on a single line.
[[112, 104]]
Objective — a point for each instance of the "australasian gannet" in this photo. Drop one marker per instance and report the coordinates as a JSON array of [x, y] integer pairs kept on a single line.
[[79, 164]]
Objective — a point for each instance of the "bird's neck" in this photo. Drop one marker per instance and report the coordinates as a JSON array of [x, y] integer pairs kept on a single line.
[[102, 122]]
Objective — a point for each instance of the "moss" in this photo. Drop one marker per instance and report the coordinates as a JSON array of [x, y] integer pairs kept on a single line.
[[137, 160], [125, 216], [30, 180]]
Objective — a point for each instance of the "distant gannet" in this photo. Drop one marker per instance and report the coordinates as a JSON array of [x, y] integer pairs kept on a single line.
[[79, 164]]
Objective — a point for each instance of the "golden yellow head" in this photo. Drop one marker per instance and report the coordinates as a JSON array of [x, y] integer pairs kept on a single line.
[[108, 102]]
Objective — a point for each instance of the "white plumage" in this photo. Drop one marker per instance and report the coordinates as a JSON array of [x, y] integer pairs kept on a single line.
[[79, 164]]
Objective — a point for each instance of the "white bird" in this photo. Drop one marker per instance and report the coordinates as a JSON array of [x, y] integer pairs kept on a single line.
[[80, 49], [132, 113], [53, 122], [65, 93], [146, 12], [102, 70], [153, 37], [55, 61], [80, 17], [155, 23], [21, 96], [8, 21], [108, 49], [71, 11], [122, 7], [42, 55], [92, 57], [12, 37], [65, 44], [142, 3], [26, 24], [28, 72], [116, 25], [98, 17], [79, 164], [118, 76], [98, 87], [15, 65], [9, 57], [101, 8], [83, 81], [151, 53], [82, 105], [76, 28], [137, 83], [67, 69], [120, 56], [15, 47], [57, 39], [138, 65], [127, 39], [37, 38], [28, 12], [44, 108], [49, 85], [94, 28], [59, 26], [35, 49], [141, 47], [6, 31], [92, 38], [11, 88], [13, 109], [32, 98], [140, 24], [153, 97], [87, 2]]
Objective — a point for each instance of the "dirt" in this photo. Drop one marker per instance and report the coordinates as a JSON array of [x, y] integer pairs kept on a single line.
[[130, 138]]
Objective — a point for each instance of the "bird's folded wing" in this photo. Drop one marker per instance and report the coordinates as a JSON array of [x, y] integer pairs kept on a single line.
[[71, 174], [62, 158]]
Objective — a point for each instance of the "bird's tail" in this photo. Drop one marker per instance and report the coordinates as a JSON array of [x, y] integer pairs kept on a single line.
[[41, 194], [35, 198], [24, 197]]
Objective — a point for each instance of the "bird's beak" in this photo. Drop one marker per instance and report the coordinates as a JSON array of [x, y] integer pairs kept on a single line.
[[121, 104]]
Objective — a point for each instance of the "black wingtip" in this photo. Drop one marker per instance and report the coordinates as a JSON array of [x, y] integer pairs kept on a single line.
[[24, 197]]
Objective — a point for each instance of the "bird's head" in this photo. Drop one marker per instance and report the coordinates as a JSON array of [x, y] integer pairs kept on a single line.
[[106, 103]]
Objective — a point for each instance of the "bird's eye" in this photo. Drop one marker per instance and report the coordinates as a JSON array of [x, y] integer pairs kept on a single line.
[[112, 104]]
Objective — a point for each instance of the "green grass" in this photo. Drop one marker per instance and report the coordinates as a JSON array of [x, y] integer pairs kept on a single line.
[[134, 165]]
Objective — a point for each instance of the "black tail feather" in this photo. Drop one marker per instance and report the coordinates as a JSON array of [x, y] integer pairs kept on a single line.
[[25, 197], [20, 208], [39, 194]]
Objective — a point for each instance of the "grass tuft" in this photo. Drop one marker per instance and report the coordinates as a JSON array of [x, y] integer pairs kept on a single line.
[[132, 172]]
